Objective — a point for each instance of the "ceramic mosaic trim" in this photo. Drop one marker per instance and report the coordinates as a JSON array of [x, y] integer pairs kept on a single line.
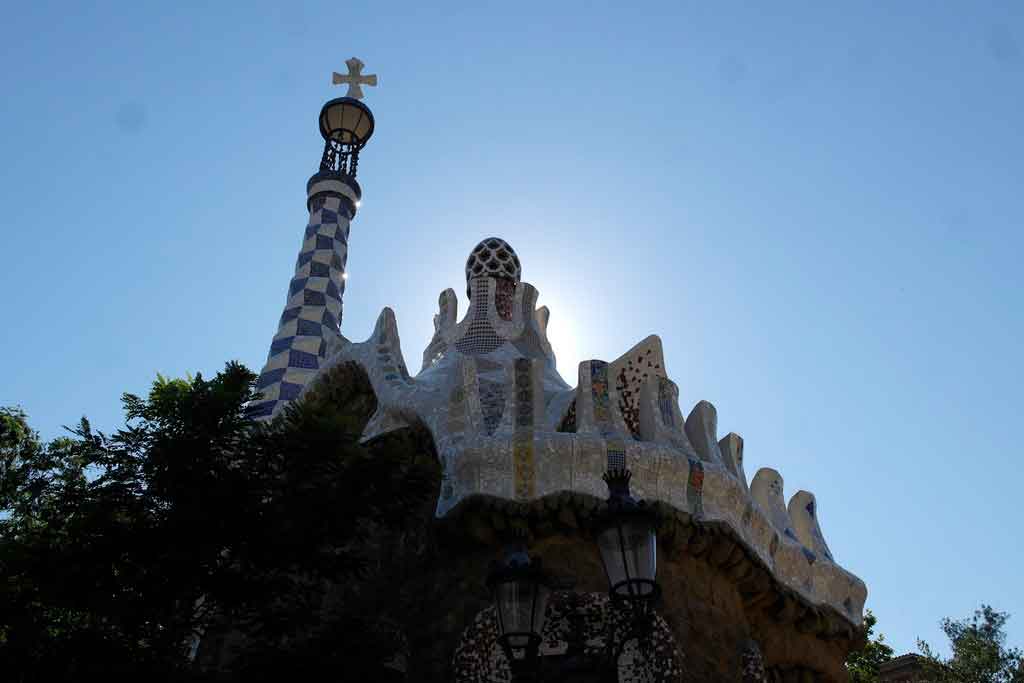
[[616, 452], [599, 392], [695, 488], [492, 403], [666, 402], [629, 403], [524, 393], [525, 470], [515, 465], [523, 447], [312, 316], [480, 338], [631, 372], [390, 363], [504, 297]]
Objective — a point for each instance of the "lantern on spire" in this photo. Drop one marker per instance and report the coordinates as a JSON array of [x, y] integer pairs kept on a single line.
[[346, 124]]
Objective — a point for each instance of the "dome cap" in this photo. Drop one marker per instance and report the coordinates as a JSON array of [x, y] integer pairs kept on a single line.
[[493, 257]]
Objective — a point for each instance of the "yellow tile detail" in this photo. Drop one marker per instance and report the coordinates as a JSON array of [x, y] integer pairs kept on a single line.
[[525, 472]]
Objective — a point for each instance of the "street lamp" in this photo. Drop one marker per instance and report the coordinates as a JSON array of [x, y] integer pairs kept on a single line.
[[346, 125], [628, 541], [626, 532], [520, 588]]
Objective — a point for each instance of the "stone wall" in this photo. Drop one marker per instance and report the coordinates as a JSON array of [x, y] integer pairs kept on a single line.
[[715, 597]]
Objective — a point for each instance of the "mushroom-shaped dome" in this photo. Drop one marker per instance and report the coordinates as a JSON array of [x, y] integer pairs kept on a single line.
[[493, 257]]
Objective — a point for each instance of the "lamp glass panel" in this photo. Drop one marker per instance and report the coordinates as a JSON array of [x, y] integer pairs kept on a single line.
[[522, 604], [342, 120], [629, 552], [334, 119], [542, 604], [350, 118], [354, 120], [364, 127]]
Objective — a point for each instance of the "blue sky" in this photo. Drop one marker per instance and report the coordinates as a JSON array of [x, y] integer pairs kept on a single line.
[[818, 209]]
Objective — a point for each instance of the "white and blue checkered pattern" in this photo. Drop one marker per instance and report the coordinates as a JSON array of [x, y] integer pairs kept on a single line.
[[311, 320]]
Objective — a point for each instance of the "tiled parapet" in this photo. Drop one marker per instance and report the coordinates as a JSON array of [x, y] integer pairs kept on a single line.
[[309, 328], [731, 448], [766, 490], [702, 428], [803, 512], [506, 426]]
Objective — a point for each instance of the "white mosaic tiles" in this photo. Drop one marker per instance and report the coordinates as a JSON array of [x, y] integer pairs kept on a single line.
[[506, 424]]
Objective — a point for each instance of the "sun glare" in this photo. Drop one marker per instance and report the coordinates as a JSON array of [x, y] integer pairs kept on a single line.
[[563, 333]]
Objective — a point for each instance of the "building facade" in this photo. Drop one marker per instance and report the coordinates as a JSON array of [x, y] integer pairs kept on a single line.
[[750, 590]]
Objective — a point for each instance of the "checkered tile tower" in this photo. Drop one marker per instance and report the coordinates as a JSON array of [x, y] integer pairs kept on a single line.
[[310, 327]]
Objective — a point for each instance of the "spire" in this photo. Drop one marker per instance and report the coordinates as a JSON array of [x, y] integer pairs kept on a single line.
[[309, 330]]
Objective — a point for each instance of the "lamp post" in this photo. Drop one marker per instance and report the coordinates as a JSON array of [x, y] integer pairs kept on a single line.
[[520, 589], [626, 534], [628, 540]]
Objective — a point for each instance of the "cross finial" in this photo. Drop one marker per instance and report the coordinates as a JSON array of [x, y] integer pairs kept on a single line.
[[355, 78]]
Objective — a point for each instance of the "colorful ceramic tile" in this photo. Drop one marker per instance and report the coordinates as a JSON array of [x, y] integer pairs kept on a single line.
[[524, 468], [524, 393], [616, 452], [504, 296], [599, 393], [695, 487], [314, 282], [492, 403], [667, 402]]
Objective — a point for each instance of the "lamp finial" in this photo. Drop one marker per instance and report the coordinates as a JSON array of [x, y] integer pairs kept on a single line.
[[354, 78]]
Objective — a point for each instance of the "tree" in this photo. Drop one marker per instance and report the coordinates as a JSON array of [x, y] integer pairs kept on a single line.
[[979, 654], [863, 664], [119, 551], [19, 448]]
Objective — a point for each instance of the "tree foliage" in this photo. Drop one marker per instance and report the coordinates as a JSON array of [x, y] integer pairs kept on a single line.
[[979, 652], [863, 664], [118, 551]]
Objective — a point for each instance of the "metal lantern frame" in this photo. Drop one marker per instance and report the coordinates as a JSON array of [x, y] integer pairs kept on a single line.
[[621, 514], [639, 593], [346, 125], [517, 568]]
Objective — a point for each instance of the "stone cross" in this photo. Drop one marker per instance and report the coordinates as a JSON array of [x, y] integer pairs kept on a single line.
[[355, 78]]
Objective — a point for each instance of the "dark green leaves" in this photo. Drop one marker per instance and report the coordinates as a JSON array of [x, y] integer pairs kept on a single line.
[[863, 664], [190, 519], [979, 652]]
